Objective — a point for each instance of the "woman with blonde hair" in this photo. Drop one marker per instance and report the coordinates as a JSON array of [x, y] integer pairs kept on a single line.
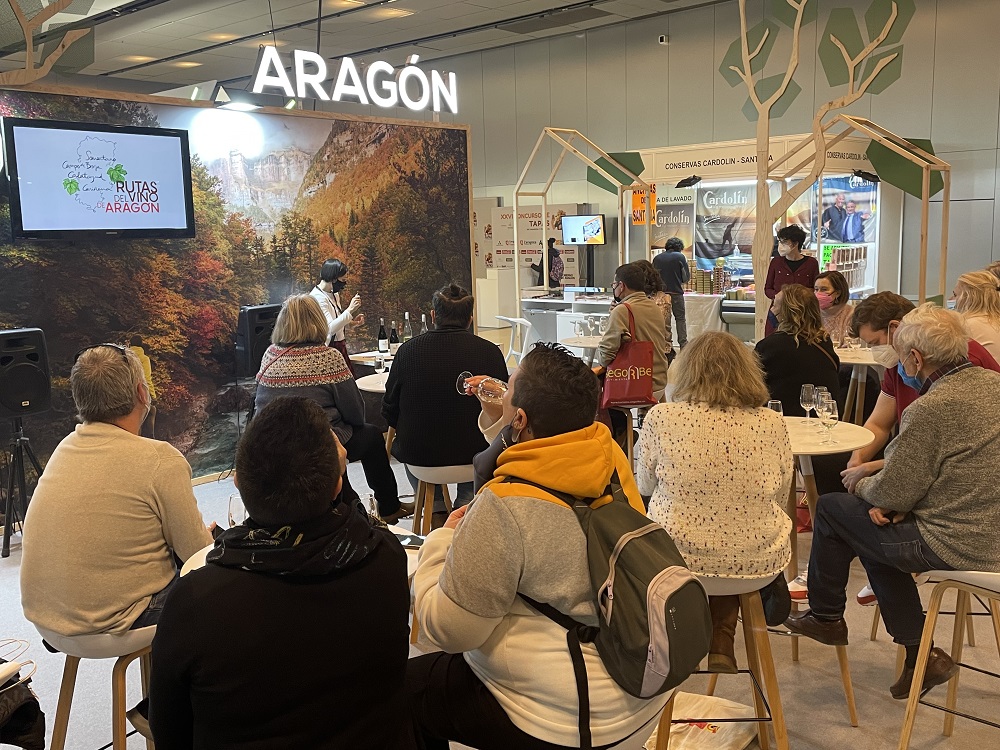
[[799, 352], [299, 363], [718, 467], [977, 298]]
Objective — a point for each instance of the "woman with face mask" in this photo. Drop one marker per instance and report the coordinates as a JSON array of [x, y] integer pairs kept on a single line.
[[833, 293], [790, 267], [327, 293]]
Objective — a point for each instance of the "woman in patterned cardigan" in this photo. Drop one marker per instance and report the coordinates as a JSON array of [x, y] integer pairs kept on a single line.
[[298, 363], [718, 467]]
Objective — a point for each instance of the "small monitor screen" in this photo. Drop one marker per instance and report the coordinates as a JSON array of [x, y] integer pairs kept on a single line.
[[583, 230], [69, 178]]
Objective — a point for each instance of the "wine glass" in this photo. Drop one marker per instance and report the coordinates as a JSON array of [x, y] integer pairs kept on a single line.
[[379, 364], [775, 405], [828, 417], [593, 324], [579, 327], [822, 393], [807, 398], [489, 390], [237, 510], [604, 323]]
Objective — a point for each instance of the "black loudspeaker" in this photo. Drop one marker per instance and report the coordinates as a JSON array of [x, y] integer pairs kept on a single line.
[[253, 336], [25, 386]]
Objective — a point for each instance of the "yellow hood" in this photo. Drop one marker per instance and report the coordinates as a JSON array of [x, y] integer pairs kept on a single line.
[[577, 463]]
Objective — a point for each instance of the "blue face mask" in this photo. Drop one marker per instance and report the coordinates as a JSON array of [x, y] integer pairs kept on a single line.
[[911, 380]]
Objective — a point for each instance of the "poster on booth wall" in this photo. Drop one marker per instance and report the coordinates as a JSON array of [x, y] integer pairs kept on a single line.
[[848, 210], [674, 217], [725, 220], [482, 221], [568, 253], [500, 238]]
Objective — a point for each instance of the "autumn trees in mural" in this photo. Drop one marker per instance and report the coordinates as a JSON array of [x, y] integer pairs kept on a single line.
[[392, 201]]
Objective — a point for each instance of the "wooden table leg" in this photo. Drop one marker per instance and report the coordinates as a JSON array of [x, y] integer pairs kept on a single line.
[[852, 393], [809, 479], [793, 500], [861, 373]]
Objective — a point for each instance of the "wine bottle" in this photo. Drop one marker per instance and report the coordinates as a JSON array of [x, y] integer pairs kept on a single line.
[[423, 322], [407, 328], [383, 340], [393, 340]]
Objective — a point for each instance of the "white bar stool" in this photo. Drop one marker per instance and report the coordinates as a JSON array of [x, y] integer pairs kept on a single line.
[[518, 326], [966, 584], [126, 648], [429, 478]]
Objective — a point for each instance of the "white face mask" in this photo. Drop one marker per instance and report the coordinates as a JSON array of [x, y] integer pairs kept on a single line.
[[885, 355]]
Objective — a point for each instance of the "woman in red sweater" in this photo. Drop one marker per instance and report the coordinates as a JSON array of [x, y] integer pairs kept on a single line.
[[790, 267]]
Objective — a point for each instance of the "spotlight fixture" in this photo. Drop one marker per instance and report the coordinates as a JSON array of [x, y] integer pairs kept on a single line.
[[689, 181], [870, 176]]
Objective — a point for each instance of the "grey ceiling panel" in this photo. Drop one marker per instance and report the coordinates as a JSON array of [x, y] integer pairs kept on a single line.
[[554, 21]]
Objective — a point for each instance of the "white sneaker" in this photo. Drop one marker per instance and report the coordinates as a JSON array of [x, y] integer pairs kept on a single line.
[[799, 589], [866, 597]]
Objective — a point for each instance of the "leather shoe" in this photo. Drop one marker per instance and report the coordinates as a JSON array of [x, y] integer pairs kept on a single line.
[[438, 519], [405, 509], [940, 669], [829, 632]]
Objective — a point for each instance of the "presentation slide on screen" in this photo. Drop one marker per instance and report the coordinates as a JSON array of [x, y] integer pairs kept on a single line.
[[583, 230], [85, 180]]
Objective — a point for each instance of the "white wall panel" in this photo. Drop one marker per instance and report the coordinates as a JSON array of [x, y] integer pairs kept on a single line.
[[605, 89], [691, 77], [531, 66], [569, 93], [500, 116]]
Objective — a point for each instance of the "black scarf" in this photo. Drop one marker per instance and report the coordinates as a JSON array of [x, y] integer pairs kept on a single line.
[[336, 541]]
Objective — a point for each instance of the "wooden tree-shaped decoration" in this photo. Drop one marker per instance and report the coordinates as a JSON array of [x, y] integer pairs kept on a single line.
[[31, 73], [764, 95]]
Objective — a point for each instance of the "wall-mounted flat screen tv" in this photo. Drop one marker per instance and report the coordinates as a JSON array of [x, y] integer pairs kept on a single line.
[[583, 230], [72, 179]]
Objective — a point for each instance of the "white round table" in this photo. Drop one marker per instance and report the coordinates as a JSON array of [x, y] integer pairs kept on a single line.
[[807, 441], [198, 559], [373, 383], [368, 358], [860, 360], [589, 345]]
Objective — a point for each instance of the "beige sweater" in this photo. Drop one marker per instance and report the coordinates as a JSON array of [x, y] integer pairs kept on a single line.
[[649, 326], [109, 510]]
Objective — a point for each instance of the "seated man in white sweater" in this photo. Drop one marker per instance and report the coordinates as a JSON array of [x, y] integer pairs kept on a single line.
[[110, 512], [504, 678]]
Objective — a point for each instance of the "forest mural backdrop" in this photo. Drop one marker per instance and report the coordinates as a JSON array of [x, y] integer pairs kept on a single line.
[[274, 196]]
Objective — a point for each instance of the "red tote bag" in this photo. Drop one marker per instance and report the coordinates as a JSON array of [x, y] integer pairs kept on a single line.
[[628, 381]]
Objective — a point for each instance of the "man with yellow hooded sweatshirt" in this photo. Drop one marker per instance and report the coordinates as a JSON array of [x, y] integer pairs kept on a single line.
[[504, 678]]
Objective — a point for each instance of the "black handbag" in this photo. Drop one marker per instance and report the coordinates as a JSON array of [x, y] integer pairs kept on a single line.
[[22, 723]]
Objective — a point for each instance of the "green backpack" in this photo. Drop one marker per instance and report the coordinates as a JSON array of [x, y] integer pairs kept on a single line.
[[654, 622]]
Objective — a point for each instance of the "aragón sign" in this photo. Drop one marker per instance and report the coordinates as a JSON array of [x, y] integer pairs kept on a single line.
[[381, 84]]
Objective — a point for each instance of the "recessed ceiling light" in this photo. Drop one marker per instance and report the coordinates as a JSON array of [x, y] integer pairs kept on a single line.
[[136, 58], [261, 42], [217, 37], [343, 3], [188, 64], [383, 13]]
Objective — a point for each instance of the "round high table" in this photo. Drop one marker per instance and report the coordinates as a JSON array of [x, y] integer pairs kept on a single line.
[[807, 442], [199, 558], [859, 360], [373, 383], [368, 358], [589, 345]]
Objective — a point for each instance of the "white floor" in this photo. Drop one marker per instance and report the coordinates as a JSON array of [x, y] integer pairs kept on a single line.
[[811, 691]]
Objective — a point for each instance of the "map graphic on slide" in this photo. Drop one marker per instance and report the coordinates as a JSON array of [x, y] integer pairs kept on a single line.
[[72, 180], [90, 179]]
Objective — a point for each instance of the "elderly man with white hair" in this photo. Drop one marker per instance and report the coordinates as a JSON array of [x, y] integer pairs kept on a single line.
[[935, 505]]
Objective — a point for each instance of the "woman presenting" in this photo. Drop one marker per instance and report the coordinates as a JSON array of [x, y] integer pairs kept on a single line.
[[327, 294], [790, 267]]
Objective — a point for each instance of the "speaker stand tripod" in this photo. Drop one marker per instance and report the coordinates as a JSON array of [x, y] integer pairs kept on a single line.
[[19, 448]]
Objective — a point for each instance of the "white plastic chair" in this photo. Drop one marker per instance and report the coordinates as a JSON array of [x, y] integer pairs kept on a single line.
[[966, 584], [517, 325], [126, 648]]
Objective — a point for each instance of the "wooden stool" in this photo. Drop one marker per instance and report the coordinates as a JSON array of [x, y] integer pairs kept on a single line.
[[761, 671], [125, 648], [966, 584], [992, 611], [429, 478]]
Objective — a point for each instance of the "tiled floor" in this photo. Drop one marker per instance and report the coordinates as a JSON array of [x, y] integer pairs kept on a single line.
[[810, 689]]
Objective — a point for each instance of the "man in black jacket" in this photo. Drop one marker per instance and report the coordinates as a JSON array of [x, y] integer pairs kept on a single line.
[[436, 425], [672, 265], [295, 632]]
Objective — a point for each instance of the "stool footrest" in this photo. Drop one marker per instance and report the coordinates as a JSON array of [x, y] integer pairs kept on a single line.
[[748, 719]]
